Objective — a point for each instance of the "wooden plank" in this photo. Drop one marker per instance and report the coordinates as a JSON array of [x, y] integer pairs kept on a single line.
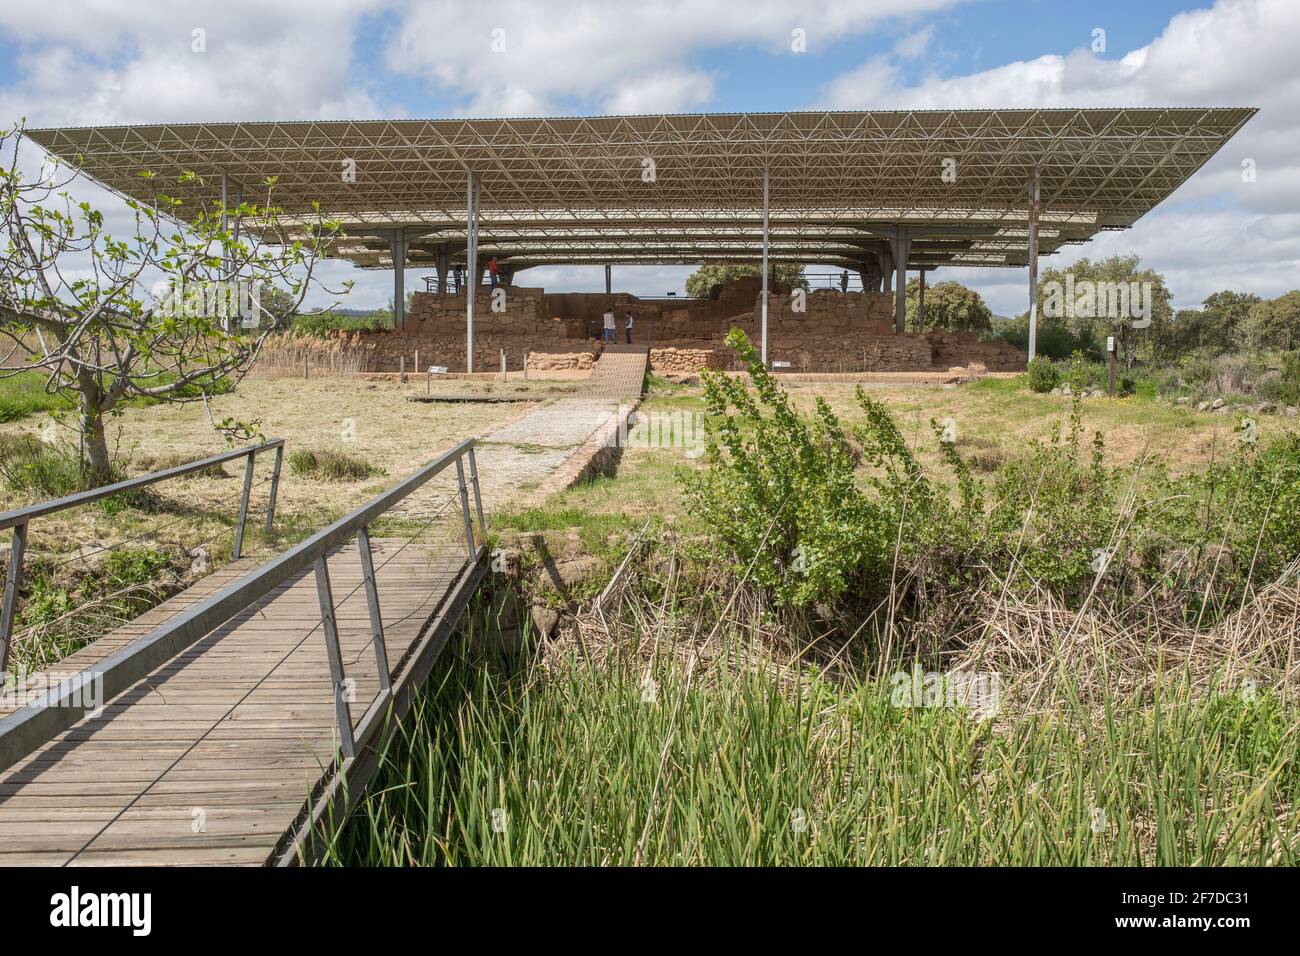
[[240, 725]]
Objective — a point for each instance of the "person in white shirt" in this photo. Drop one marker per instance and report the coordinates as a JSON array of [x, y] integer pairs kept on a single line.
[[629, 326], [609, 325]]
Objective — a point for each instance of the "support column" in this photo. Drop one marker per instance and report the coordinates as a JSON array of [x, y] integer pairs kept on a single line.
[[397, 245], [609, 281], [764, 320], [902, 246], [473, 195], [887, 271], [1033, 266], [442, 262]]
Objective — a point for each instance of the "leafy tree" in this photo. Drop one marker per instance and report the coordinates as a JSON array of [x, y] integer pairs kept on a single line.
[[1095, 327], [948, 305], [1226, 319], [151, 315], [1275, 324], [783, 276]]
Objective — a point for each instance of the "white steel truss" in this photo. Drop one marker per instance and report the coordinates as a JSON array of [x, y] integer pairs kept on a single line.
[[685, 188]]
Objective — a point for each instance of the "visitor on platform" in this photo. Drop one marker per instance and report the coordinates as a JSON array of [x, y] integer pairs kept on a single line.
[[458, 277], [492, 270], [629, 326], [844, 281], [609, 326]]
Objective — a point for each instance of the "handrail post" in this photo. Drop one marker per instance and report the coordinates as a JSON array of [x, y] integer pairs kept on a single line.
[[372, 601], [464, 507], [275, 487], [18, 544], [478, 497], [243, 509], [342, 712]]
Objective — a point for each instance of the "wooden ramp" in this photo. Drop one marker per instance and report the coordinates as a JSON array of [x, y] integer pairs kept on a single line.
[[620, 372], [224, 725], [211, 759]]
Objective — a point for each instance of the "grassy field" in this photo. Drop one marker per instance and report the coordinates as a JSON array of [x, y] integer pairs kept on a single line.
[[690, 723], [603, 761], [24, 394], [686, 727], [156, 541]]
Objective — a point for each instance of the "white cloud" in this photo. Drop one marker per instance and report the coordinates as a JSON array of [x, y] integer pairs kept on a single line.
[[96, 62], [914, 44], [1237, 53], [547, 55]]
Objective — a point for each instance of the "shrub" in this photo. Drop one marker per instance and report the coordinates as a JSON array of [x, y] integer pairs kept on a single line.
[[37, 469], [327, 465], [323, 323], [781, 493], [1289, 380], [1042, 375]]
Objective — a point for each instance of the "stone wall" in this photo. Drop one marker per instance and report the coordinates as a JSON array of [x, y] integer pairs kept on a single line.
[[849, 332]]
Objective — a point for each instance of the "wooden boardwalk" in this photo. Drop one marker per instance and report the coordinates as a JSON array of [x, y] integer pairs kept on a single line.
[[223, 754]]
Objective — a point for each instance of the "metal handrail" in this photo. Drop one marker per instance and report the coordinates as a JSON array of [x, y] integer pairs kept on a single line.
[[63, 706], [19, 518]]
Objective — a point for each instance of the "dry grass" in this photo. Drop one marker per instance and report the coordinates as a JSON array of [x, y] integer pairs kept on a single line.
[[367, 419]]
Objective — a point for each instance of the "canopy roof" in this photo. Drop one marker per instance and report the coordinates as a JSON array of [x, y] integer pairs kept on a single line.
[[685, 188]]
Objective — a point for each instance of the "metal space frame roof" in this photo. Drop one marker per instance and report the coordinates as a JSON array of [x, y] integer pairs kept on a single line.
[[578, 189]]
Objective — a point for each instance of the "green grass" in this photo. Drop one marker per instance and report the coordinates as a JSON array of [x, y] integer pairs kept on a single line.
[[328, 465], [24, 394], [587, 763]]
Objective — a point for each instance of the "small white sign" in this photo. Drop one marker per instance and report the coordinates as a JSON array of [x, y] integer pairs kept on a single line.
[[780, 365], [437, 370], [1110, 343]]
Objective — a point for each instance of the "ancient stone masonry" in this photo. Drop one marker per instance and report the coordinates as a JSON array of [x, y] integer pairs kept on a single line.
[[836, 331]]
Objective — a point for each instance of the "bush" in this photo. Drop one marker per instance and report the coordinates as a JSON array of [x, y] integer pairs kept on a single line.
[[795, 517], [1289, 380], [324, 323], [326, 465], [36, 469], [1052, 341], [1042, 375]]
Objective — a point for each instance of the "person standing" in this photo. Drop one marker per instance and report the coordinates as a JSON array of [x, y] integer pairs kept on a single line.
[[629, 326], [844, 281], [609, 326], [457, 276], [492, 270]]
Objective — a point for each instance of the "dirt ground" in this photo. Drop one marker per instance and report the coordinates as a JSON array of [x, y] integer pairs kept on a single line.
[[370, 420]]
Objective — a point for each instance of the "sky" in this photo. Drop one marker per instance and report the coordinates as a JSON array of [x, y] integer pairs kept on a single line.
[[85, 62]]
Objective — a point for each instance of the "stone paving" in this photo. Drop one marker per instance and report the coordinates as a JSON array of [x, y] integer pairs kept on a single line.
[[518, 457]]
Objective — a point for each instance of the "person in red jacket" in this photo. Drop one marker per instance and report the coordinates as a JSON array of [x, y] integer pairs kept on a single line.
[[492, 271]]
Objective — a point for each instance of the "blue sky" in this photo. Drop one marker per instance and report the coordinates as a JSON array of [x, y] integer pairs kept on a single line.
[[103, 61]]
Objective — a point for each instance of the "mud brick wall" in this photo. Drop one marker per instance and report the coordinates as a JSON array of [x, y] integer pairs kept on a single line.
[[561, 361], [959, 348], [836, 332], [686, 359]]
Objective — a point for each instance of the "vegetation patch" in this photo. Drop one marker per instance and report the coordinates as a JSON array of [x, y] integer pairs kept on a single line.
[[327, 465]]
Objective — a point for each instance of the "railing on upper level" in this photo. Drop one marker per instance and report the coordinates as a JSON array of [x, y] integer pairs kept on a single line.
[[19, 518]]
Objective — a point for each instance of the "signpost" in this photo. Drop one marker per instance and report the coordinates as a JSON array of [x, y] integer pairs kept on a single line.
[[1110, 354]]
